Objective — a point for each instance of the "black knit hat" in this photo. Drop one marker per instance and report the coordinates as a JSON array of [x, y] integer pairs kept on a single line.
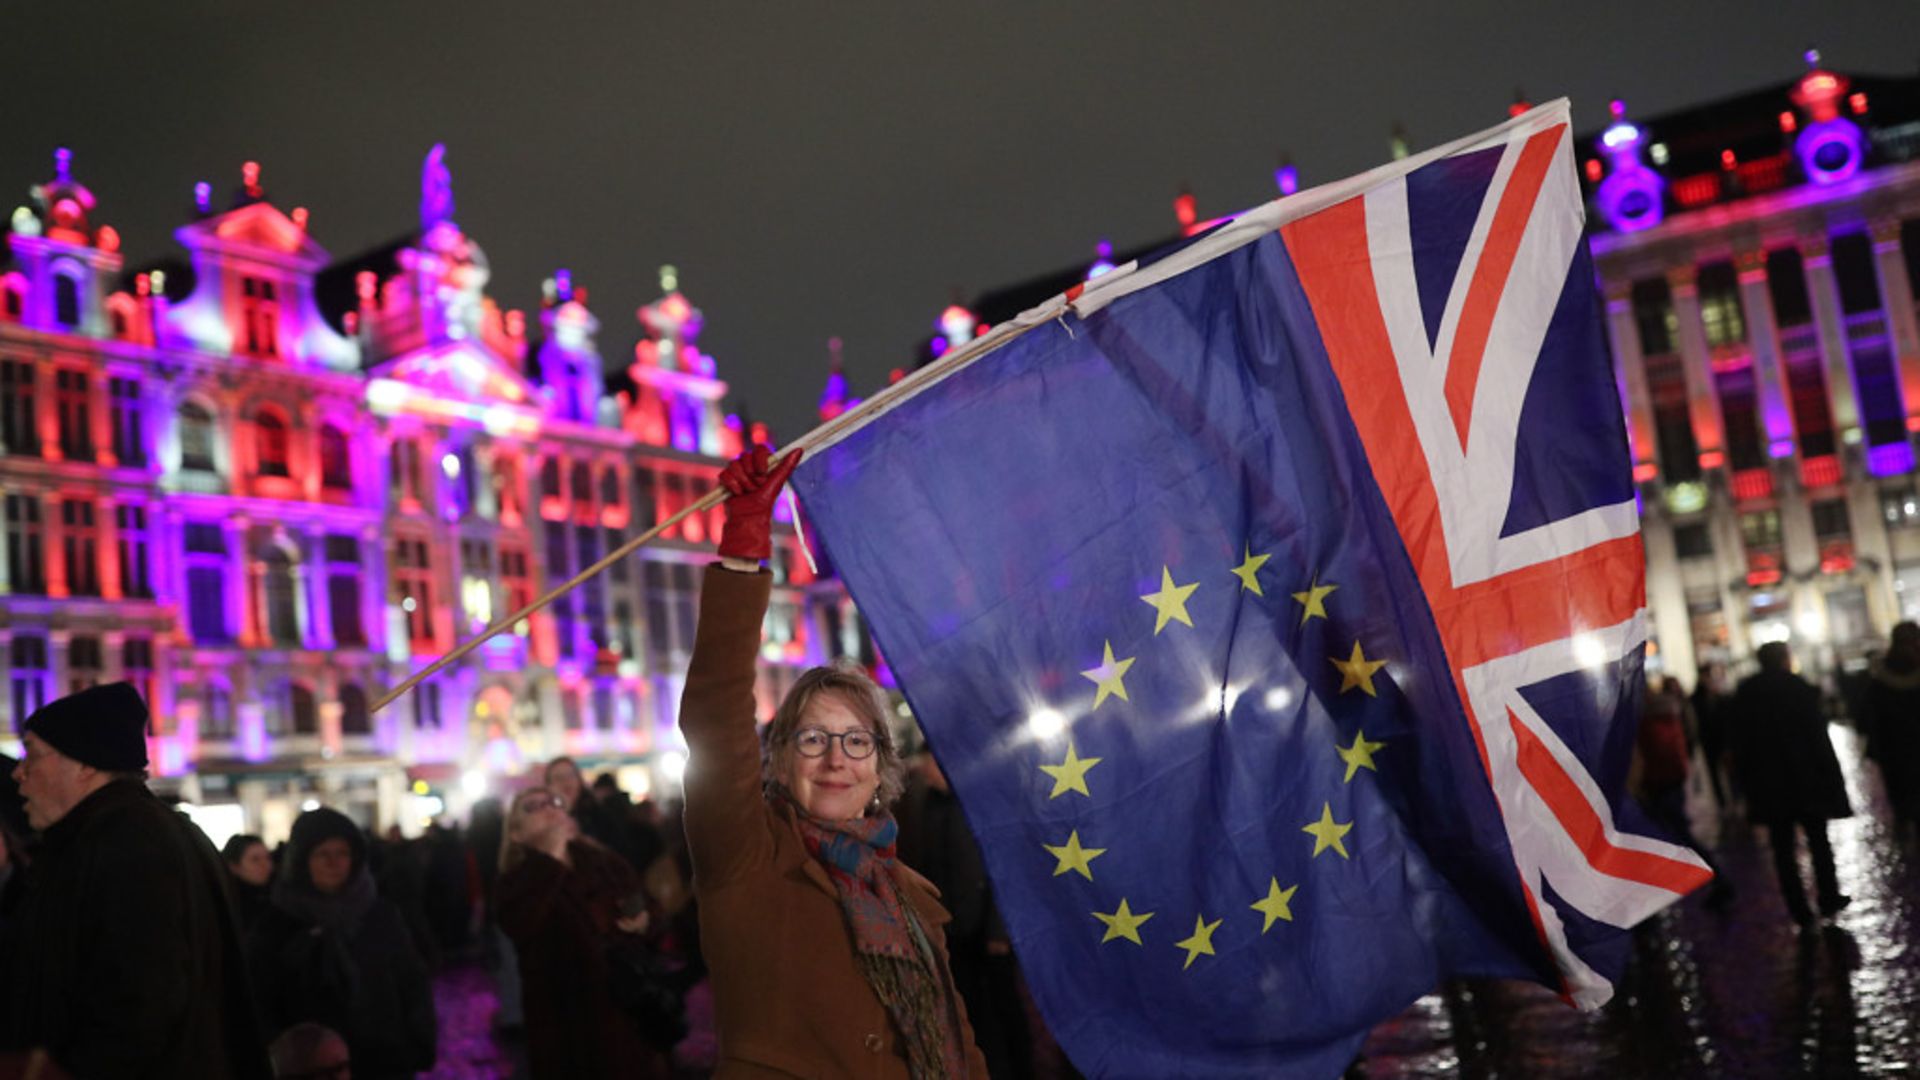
[[102, 726]]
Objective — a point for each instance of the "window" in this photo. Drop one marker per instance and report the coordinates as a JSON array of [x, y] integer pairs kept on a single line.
[[550, 478], [196, 438], [671, 598], [26, 569], [130, 526], [355, 719], [80, 543], [1854, 274], [618, 571], [136, 656], [413, 584], [1761, 528], [1693, 541], [206, 559], [507, 493], [302, 709], [336, 459], [270, 443], [1720, 311], [17, 423], [644, 515], [216, 719], [517, 581], [29, 656], [610, 488], [571, 707], [1830, 520], [622, 645], [457, 466], [603, 705], [406, 469], [593, 592], [563, 606], [1787, 283], [83, 663], [1653, 312], [76, 417], [476, 582], [1901, 507], [343, 589], [426, 705], [66, 301], [129, 435], [282, 616], [259, 317]]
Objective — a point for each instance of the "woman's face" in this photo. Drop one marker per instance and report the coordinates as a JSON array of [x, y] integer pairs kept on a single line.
[[834, 786], [538, 817], [563, 779], [255, 865], [330, 864]]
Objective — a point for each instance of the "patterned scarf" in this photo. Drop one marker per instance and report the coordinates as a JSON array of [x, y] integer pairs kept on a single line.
[[891, 945]]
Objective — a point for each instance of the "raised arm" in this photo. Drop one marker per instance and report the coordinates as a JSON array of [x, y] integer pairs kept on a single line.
[[726, 817]]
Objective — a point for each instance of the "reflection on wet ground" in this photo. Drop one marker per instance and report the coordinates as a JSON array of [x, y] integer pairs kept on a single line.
[[1735, 994]]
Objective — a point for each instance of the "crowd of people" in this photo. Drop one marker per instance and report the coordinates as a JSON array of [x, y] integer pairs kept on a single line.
[[1761, 751]]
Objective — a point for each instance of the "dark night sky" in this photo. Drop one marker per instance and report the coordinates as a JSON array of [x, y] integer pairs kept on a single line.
[[810, 171]]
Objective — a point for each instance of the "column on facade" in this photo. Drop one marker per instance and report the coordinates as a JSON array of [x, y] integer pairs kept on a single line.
[[1667, 595], [1872, 547], [6, 681], [1696, 360], [54, 554], [1896, 298], [319, 620], [1630, 373], [45, 396], [1763, 342], [170, 562], [100, 418], [1824, 292], [164, 702], [58, 670], [107, 519], [373, 591], [6, 571], [240, 572], [326, 692]]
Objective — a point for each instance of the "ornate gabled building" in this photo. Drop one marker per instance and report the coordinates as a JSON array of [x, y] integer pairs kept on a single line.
[[268, 485]]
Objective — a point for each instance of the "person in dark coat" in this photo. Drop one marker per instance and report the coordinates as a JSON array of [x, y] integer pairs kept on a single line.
[[1710, 698], [561, 899], [1894, 729], [249, 873], [1791, 776], [122, 959], [562, 776], [331, 950]]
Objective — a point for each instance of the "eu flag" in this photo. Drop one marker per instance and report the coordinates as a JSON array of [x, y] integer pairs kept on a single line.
[[1276, 610]]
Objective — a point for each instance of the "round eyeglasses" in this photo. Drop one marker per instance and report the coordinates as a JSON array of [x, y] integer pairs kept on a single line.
[[813, 742]]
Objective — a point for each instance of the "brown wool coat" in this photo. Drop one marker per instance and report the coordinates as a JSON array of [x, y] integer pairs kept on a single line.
[[789, 995]]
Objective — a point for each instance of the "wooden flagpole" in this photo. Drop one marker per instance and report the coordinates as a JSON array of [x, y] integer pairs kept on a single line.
[[824, 435]]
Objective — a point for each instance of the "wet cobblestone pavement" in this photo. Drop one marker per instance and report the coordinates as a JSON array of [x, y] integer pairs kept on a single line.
[[1729, 995]]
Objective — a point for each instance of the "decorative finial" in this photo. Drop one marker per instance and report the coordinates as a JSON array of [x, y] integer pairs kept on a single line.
[[669, 279], [250, 178], [203, 197], [436, 188], [834, 352], [1812, 57], [63, 165]]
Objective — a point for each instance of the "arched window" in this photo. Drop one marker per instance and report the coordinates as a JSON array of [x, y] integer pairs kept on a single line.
[[276, 584], [354, 717], [66, 301], [196, 437], [550, 478], [336, 459], [582, 488], [270, 443], [306, 718]]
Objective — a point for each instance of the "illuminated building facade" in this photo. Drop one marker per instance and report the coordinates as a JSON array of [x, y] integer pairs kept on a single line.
[[266, 485]]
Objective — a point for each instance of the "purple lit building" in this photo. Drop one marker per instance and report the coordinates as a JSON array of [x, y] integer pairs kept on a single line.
[[266, 485]]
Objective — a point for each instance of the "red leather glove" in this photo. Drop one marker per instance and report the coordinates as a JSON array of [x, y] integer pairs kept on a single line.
[[748, 532]]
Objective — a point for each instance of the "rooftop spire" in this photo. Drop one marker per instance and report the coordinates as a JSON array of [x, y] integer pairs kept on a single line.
[[436, 188]]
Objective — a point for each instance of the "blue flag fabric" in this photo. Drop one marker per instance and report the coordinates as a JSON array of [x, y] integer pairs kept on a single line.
[[1216, 693]]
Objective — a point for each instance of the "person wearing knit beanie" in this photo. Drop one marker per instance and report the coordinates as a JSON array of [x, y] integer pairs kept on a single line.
[[78, 745]]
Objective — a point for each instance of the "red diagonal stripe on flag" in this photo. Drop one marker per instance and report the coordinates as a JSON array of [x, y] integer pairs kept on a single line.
[[1491, 272]]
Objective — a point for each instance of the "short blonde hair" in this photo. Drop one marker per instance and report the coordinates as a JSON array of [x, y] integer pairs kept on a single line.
[[844, 679]]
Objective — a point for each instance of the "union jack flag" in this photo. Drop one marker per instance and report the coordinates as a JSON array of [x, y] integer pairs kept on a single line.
[[1360, 453]]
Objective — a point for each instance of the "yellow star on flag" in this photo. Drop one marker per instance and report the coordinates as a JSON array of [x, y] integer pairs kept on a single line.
[[1358, 756], [1274, 906], [1071, 774], [1315, 599], [1326, 833], [1357, 670], [1108, 677], [1201, 942], [1247, 571], [1123, 923], [1074, 857], [1170, 603]]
